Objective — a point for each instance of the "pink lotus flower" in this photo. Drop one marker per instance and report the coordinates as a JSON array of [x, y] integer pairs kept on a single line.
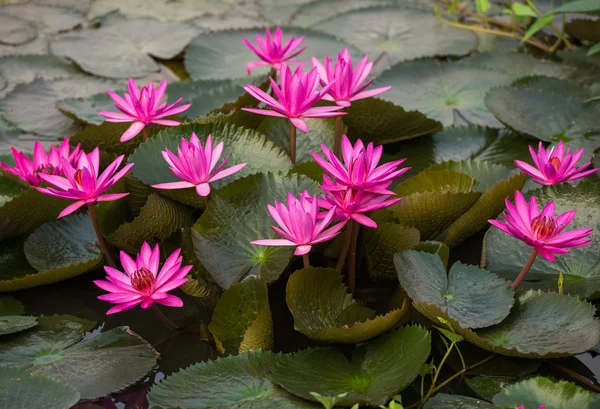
[[143, 108], [348, 81], [194, 165], [298, 224], [553, 166], [297, 95], [50, 164], [142, 282], [541, 230], [83, 183], [352, 204], [272, 51], [359, 170]]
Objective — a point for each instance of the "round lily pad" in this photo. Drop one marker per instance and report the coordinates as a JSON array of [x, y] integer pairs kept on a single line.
[[15, 31], [320, 10], [10, 320], [474, 297], [325, 312], [231, 382], [403, 33], [375, 373], [86, 109], [96, 366], [48, 19], [242, 319], [444, 401], [439, 89], [24, 390], [158, 9]]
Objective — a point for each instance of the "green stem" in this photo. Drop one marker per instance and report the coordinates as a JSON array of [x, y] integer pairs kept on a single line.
[[146, 133], [337, 142], [552, 26], [306, 260], [163, 318], [206, 199], [351, 277], [101, 241], [292, 143], [346, 246], [525, 270]]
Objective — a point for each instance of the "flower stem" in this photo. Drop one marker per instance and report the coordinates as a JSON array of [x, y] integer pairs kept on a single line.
[[163, 318], [205, 199], [525, 270], [346, 246], [293, 143], [101, 241], [306, 260], [351, 278], [146, 134], [337, 142]]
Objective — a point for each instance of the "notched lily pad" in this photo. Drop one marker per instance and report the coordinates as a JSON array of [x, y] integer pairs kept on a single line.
[[444, 401], [517, 64], [325, 312], [15, 31], [86, 109]]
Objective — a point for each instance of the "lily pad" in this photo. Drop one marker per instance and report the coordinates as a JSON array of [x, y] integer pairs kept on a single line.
[[325, 312], [15, 31], [158, 9], [32, 107], [536, 392], [235, 381], [237, 214], [241, 145], [379, 121], [517, 64], [320, 10], [86, 109], [222, 55], [10, 306], [10, 319], [474, 297], [242, 319], [506, 255], [375, 373], [439, 89], [433, 200], [488, 387], [39, 46], [444, 401], [123, 48], [561, 86], [158, 219], [23, 390], [403, 33], [96, 366], [48, 19]]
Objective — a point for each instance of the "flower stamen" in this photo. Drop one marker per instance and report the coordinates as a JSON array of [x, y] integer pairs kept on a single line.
[[544, 227], [142, 280], [555, 162]]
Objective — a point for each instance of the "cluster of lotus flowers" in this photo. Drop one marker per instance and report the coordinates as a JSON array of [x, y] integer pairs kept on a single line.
[[352, 188]]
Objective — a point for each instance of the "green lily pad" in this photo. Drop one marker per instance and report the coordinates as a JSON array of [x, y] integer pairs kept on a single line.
[[488, 387], [444, 401], [433, 200], [38, 46], [86, 109], [23, 390], [536, 392], [320, 10], [158, 219], [565, 87], [122, 48], [379, 121], [96, 366], [222, 55], [439, 89], [158, 9], [403, 33], [325, 312], [241, 145], [506, 255], [237, 214], [376, 372], [469, 295], [517, 64], [48, 19], [15, 31], [32, 107], [10, 306], [242, 319], [9, 324], [233, 382], [320, 131], [280, 12]]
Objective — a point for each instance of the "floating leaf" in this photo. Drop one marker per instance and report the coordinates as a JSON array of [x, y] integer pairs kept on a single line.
[[565, 87], [122, 48], [241, 145], [376, 372], [48, 19], [15, 31], [242, 319], [379, 121], [237, 215], [158, 9], [320, 10], [86, 109], [444, 401], [222, 55], [158, 219], [96, 366], [488, 387], [24, 390], [403, 33], [469, 295], [517, 64], [325, 312], [10, 319], [578, 6], [439, 89]]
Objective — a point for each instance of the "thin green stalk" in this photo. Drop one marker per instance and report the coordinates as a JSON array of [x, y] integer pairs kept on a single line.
[[345, 246], [351, 277], [292, 143], [552, 26], [101, 241], [306, 260], [146, 133], [337, 142]]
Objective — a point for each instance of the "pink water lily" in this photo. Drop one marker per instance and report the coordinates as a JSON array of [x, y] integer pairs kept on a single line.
[[360, 170], [541, 230], [142, 282], [272, 51], [298, 224], [47, 163], [143, 108], [353, 204], [83, 182], [194, 165], [554, 166], [349, 81], [296, 97]]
